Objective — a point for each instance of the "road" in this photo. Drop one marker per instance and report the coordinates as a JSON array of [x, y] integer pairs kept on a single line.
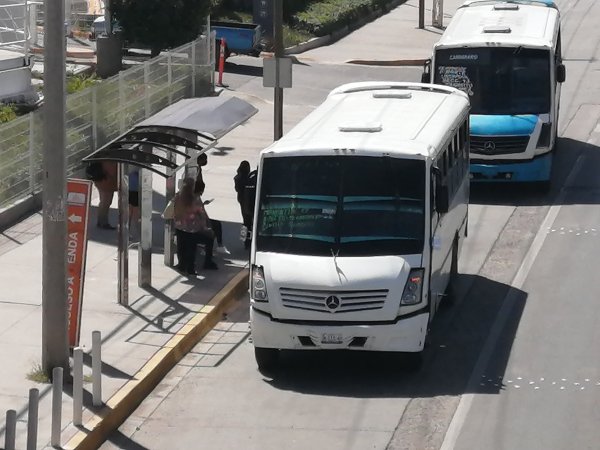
[[512, 365]]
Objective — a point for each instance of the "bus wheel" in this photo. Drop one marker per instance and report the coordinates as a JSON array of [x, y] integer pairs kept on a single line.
[[450, 297], [266, 358]]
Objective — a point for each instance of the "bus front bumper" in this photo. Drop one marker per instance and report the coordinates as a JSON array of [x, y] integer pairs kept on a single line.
[[530, 170], [405, 335]]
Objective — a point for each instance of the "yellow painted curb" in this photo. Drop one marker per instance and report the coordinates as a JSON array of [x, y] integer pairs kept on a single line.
[[124, 402]]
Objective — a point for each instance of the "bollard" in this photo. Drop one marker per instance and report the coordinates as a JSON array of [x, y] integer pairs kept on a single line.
[[11, 430], [57, 385], [96, 368], [32, 418], [77, 386], [221, 61]]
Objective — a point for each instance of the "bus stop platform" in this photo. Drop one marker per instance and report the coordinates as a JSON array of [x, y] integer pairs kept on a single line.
[[131, 335]]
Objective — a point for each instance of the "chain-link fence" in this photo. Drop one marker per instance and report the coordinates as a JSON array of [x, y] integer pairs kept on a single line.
[[97, 115]]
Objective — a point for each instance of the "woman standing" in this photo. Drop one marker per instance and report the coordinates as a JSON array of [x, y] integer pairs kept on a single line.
[[192, 227]]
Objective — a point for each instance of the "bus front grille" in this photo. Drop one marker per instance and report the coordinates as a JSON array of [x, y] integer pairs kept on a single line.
[[498, 145], [333, 301]]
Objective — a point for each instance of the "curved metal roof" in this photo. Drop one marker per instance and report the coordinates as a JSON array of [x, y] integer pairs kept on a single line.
[[194, 123]]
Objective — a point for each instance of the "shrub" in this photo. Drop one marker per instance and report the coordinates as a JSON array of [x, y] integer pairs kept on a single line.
[[79, 82], [324, 17], [7, 113]]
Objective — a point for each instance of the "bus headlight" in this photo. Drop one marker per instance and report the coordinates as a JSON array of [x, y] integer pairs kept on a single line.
[[413, 289], [258, 290]]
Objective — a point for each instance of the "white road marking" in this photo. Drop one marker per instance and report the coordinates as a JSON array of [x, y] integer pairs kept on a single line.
[[460, 415]]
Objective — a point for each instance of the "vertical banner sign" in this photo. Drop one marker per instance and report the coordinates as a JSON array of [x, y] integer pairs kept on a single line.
[[78, 209]]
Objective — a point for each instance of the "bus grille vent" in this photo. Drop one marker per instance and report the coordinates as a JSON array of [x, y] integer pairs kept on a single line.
[[333, 301], [498, 145]]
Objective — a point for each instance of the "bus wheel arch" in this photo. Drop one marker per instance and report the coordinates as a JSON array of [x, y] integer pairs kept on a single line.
[[266, 358]]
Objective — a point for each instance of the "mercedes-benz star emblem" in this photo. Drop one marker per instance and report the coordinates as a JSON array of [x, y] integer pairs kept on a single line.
[[332, 302], [489, 146]]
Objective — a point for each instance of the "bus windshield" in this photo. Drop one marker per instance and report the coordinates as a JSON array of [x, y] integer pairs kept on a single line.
[[498, 80], [341, 205]]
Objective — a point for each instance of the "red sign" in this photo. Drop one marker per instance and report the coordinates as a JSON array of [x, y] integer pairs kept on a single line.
[[78, 208]]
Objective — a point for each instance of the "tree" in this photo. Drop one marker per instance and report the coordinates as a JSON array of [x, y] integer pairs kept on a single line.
[[160, 24]]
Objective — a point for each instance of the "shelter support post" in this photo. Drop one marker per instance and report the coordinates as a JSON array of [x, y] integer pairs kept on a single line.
[[145, 246], [123, 231], [169, 244]]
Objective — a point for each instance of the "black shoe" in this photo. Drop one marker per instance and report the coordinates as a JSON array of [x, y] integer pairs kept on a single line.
[[192, 273], [179, 268], [106, 226], [210, 265]]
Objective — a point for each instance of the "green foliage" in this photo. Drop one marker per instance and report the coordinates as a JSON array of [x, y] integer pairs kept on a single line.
[[293, 37], [326, 16], [38, 375], [79, 82], [160, 24], [7, 113]]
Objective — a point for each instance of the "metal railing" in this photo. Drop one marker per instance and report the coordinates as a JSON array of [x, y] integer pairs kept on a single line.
[[99, 114], [14, 24]]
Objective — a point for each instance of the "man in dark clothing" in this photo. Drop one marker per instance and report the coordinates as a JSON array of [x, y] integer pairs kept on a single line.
[[245, 186]]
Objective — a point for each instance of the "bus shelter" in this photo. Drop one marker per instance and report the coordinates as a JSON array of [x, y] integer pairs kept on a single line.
[[165, 144]]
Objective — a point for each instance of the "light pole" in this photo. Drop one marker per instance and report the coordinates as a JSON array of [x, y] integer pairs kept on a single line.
[[421, 14], [55, 347], [278, 54]]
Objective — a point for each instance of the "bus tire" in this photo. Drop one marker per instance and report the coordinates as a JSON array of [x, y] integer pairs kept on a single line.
[[266, 358]]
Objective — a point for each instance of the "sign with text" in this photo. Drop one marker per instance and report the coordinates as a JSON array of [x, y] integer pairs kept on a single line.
[[78, 209]]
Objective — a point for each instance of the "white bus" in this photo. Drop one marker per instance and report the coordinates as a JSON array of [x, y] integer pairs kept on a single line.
[[361, 213], [506, 55]]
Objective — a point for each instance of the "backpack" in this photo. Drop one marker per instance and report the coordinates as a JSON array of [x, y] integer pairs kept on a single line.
[[94, 171], [249, 194]]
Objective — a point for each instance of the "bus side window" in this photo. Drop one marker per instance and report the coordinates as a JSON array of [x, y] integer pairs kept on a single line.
[[445, 165], [457, 157]]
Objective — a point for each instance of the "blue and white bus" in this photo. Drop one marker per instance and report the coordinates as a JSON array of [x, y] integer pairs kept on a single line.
[[506, 55]]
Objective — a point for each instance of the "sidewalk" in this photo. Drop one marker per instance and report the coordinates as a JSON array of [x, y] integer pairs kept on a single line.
[[134, 335], [392, 39]]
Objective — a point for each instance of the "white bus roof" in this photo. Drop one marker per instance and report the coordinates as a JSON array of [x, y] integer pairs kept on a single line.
[[508, 23], [390, 117]]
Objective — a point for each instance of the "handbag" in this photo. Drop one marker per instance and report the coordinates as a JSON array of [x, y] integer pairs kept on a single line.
[[169, 211]]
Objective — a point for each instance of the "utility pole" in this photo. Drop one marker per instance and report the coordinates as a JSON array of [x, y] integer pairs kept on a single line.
[[55, 347], [421, 14], [278, 54]]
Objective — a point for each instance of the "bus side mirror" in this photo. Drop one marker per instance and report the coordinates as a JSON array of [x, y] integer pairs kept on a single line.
[[426, 76], [561, 73]]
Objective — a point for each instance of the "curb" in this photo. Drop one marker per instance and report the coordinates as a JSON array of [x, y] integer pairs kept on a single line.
[[397, 62], [83, 54], [124, 402]]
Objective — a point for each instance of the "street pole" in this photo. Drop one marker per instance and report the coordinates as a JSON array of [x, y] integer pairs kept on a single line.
[[278, 53], [421, 14], [55, 347]]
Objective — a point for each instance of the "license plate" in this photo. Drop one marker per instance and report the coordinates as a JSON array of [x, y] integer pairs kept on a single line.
[[328, 338]]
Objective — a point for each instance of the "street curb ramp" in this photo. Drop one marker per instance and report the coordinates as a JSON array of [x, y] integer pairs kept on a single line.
[[125, 401]]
